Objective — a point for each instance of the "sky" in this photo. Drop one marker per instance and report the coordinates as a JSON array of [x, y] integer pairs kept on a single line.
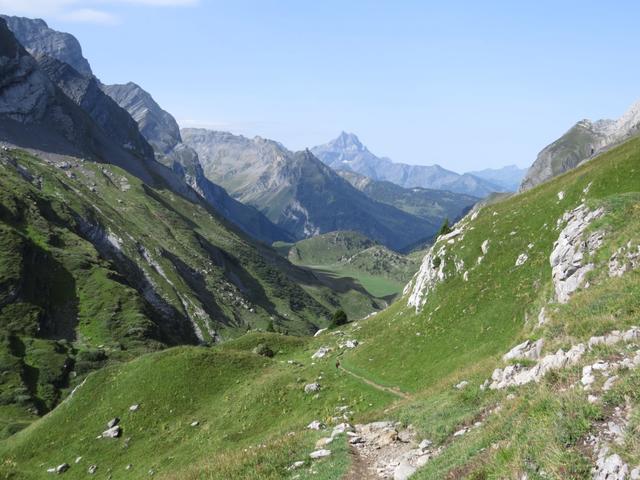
[[464, 84]]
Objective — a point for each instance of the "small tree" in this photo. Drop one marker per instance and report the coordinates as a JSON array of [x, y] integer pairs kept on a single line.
[[445, 228], [270, 327], [339, 318]]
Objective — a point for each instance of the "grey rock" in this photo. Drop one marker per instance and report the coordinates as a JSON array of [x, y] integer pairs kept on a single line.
[[36, 36], [312, 388], [112, 432], [583, 141], [568, 268], [316, 425], [320, 453], [113, 422], [92, 469]]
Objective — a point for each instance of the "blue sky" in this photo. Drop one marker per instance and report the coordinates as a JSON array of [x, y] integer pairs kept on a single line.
[[463, 84]]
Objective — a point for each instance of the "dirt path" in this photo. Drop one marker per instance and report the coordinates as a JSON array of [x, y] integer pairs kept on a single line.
[[392, 390], [360, 467]]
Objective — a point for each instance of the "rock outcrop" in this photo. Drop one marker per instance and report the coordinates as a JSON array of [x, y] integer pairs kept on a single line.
[[570, 251], [583, 141]]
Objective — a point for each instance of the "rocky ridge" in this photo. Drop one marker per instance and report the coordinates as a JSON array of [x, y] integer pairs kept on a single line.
[[580, 143]]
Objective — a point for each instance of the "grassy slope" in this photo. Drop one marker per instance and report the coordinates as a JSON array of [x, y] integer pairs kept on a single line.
[[465, 327], [78, 305], [382, 272]]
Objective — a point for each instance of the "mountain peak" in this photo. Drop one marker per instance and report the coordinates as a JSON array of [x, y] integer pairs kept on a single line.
[[348, 141]]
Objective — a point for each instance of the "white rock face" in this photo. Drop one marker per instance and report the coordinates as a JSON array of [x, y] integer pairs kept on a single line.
[[514, 375], [624, 259], [568, 269], [320, 453], [430, 274], [321, 352], [484, 247], [527, 350]]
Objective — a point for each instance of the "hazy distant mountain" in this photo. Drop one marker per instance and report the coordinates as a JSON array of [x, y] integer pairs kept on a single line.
[[508, 177], [347, 153], [298, 192], [584, 140], [432, 205]]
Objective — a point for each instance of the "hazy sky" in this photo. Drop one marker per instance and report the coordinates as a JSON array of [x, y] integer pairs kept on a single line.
[[461, 84]]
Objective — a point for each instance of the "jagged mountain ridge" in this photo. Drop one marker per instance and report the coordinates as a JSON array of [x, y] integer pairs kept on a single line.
[[36, 36], [298, 192], [112, 108], [346, 152], [162, 131], [580, 143]]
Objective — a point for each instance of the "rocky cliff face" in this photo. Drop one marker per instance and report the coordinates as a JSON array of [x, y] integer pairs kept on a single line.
[[347, 153], [583, 141], [25, 91], [157, 125], [38, 39], [162, 132], [298, 192], [85, 92]]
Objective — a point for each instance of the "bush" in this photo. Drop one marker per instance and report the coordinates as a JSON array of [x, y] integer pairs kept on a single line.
[[445, 228], [339, 318], [263, 350]]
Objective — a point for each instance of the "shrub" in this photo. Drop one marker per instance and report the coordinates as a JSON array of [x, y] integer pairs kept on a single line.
[[339, 318]]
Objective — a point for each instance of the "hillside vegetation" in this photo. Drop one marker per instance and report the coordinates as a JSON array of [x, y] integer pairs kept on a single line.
[[252, 411], [382, 272], [96, 267]]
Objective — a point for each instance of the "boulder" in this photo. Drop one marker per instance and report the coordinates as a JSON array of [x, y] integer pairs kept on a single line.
[[321, 353], [295, 465], [92, 469], [522, 258], [113, 432], [526, 350], [320, 453], [404, 471], [461, 385], [312, 388], [113, 422], [316, 425]]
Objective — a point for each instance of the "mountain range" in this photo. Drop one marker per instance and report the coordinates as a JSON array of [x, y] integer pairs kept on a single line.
[[298, 192], [346, 152]]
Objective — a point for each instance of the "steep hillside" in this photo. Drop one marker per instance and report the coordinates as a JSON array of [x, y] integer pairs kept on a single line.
[[432, 205], [131, 119], [97, 263], [583, 141], [381, 271], [427, 380], [347, 153], [297, 191]]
